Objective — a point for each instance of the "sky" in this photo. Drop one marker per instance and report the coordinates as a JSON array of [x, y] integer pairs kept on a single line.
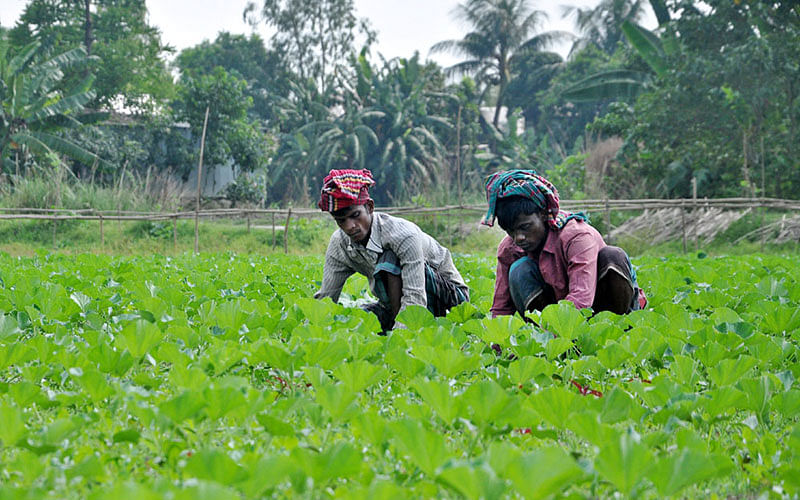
[[403, 26]]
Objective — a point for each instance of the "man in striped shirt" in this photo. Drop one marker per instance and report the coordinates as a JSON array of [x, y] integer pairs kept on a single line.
[[404, 265]]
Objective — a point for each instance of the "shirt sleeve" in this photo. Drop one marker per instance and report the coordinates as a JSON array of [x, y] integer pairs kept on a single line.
[[412, 260], [502, 304], [581, 253], [449, 271], [334, 273]]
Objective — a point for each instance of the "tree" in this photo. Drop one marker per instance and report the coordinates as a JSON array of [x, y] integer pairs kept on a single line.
[[129, 68], [33, 108], [602, 25], [502, 29], [230, 133], [531, 77], [383, 120], [315, 39], [409, 151], [620, 83], [245, 57], [726, 111]]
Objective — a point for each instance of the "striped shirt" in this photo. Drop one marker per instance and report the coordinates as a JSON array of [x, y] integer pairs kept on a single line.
[[412, 246]]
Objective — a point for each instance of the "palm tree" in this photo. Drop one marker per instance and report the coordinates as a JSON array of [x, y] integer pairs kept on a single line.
[[344, 141], [384, 123], [409, 149], [602, 25], [501, 29], [33, 107]]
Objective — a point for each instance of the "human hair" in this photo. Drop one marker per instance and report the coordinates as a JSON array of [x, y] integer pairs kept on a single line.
[[508, 209]]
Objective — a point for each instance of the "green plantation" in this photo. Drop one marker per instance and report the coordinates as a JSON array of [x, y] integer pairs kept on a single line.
[[218, 376]]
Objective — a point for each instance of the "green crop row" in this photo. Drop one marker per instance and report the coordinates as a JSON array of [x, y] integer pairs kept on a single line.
[[219, 377]]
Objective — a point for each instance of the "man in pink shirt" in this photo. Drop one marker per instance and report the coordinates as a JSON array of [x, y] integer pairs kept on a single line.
[[551, 255]]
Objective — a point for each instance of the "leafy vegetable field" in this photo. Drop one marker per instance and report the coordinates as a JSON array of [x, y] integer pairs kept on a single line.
[[219, 377]]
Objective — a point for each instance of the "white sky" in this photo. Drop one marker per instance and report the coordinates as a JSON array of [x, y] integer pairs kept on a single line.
[[403, 25]]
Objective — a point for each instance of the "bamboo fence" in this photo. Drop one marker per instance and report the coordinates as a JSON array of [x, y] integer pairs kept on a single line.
[[286, 215]]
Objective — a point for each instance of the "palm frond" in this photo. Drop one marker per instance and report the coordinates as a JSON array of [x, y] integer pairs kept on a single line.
[[67, 105], [23, 59]]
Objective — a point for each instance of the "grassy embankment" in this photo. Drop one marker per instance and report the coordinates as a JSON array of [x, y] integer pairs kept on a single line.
[[306, 236], [462, 233]]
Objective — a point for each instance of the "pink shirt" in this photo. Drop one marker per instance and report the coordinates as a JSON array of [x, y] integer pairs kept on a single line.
[[567, 261]]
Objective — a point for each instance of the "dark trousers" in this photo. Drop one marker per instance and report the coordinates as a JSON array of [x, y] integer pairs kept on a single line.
[[441, 293], [527, 286]]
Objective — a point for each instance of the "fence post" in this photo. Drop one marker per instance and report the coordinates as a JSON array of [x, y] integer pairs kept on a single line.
[[608, 222], [286, 231], [683, 224], [273, 229], [175, 233], [199, 186], [102, 235], [248, 221], [458, 155], [447, 227], [694, 206]]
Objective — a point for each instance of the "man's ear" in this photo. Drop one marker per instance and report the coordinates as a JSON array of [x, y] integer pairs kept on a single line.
[[370, 206]]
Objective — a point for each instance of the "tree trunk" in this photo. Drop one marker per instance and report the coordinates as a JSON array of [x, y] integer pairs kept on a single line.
[[745, 166], [87, 29]]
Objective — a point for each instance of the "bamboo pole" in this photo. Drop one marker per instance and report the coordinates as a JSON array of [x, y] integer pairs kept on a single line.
[[199, 185], [119, 191], [694, 205], [446, 211], [763, 193], [147, 182], [683, 225], [458, 154], [286, 231]]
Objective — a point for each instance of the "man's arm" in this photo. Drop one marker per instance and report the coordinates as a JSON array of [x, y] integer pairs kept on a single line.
[[502, 304], [581, 252], [334, 273], [412, 262]]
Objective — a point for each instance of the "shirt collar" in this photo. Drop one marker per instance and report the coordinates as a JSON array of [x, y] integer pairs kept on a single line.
[[551, 243], [375, 243]]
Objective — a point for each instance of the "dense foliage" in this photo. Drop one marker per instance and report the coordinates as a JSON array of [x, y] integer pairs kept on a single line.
[[34, 107], [709, 95], [143, 377]]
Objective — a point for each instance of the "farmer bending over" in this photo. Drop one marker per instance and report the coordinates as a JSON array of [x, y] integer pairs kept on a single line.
[[550, 254], [404, 265]]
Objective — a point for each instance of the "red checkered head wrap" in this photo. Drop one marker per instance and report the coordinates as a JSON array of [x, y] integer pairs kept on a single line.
[[343, 188]]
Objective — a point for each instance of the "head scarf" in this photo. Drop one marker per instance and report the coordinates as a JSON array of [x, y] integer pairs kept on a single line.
[[343, 188], [529, 184]]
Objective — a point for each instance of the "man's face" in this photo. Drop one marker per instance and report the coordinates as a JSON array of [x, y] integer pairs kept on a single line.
[[355, 221], [529, 231]]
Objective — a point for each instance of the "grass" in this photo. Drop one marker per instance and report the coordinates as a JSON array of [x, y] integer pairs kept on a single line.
[[306, 237], [133, 193]]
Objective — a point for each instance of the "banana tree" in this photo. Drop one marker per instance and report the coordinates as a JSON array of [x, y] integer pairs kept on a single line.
[[34, 107], [624, 83]]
